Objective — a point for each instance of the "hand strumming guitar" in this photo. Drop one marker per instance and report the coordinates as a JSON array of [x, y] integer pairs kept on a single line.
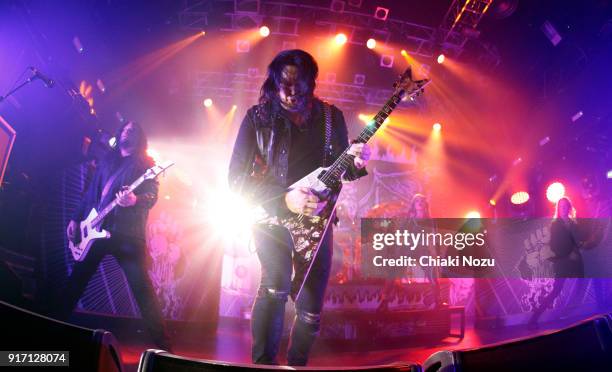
[[303, 201], [71, 230]]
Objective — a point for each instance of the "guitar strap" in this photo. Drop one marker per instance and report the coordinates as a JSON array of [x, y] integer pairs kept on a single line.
[[110, 182], [327, 152]]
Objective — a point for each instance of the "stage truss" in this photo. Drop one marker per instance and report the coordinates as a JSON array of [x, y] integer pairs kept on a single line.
[[294, 20]]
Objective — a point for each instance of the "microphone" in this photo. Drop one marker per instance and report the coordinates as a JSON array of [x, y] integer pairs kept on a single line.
[[38, 75]]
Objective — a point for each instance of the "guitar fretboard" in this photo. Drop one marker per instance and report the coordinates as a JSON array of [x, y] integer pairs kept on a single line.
[[114, 203], [337, 169]]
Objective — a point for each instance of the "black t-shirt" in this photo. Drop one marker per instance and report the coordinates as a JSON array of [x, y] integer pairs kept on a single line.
[[306, 151]]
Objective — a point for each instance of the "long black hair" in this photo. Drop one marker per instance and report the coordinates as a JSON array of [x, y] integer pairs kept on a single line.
[[141, 139], [307, 74]]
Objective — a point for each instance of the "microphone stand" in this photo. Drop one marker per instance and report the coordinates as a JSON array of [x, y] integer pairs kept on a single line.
[[29, 80]]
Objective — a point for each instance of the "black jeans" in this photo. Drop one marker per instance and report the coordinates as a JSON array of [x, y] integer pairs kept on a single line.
[[131, 256], [275, 251]]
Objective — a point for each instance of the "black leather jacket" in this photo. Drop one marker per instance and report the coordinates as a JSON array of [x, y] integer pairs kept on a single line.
[[260, 160]]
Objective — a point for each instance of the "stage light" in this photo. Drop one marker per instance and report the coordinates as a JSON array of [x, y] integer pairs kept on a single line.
[[387, 120], [330, 77], [437, 127], [609, 174], [243, 46], [229, 214], [577, 116], [101, 86], [472, 214], [208, 102], [544, 141], [112, 142], [386, 60], [77, 44], [371, 43], [441, 58], [492, 202], [551, 32], [154, 154], [404, 53], [519, 197], [341, 39], [234, 107], [555, 191], [252, 72], [359, 79], [381, 13], [264, 31], [202, 32]]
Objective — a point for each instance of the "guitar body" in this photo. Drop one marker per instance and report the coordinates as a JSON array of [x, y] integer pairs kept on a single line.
[[307, 232], [86, 236]]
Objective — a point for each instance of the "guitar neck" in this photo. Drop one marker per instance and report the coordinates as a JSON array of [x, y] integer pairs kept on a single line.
[[337, 169], [104, 212]]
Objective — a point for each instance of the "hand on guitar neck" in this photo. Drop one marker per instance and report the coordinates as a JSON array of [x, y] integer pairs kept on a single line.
[[361, 152], [302, 200], [126, 198]]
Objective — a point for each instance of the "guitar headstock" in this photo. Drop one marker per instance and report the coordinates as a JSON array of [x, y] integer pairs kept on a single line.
[[405, 86], [157, 169]]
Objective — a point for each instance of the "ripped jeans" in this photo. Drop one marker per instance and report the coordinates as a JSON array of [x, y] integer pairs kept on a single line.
[[275, 251]]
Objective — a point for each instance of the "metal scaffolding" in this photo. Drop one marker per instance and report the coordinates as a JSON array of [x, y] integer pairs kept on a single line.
[[460, 22], [293, 20]]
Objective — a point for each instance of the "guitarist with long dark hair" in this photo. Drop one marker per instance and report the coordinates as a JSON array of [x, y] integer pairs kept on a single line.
[[289, 134], [126, 225]]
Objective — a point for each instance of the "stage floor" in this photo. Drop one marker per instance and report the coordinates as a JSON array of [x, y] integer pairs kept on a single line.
[[231, 343]]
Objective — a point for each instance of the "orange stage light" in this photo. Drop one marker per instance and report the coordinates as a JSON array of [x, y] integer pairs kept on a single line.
[[341, 39]]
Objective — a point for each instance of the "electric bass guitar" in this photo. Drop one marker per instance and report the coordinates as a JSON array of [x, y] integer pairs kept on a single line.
[[90, 229], [326, 182]]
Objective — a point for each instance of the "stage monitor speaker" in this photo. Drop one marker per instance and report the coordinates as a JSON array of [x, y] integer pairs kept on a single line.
[[7, 138], [585, 346], [162, 361], [90, 350]]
